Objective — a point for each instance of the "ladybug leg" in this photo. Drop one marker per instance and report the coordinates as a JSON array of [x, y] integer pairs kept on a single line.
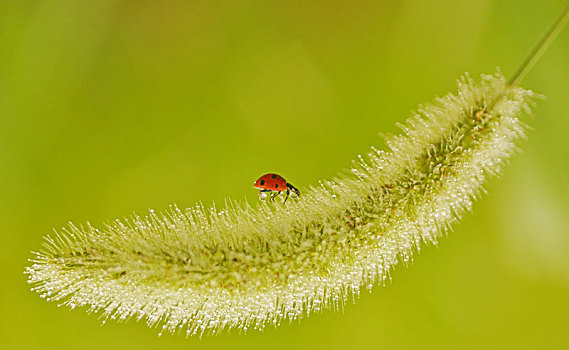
[[263, 194], [287, 193], [274, 195]]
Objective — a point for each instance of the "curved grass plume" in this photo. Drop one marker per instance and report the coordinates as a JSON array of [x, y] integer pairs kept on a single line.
[[202, 270], [205, 270]]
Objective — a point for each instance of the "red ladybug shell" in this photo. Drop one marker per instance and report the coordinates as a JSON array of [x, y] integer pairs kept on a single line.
[[271, 182]]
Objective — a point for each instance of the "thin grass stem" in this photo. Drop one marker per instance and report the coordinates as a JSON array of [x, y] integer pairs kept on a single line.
[[540, 47]]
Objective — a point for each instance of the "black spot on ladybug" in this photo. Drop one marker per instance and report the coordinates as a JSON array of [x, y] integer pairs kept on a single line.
[[274, 176], [262, 182], [276, 185]]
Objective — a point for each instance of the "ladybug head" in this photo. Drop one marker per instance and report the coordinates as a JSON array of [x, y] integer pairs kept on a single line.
[[293, 190]]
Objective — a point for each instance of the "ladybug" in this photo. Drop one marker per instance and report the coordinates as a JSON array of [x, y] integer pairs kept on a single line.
[[274, 183]]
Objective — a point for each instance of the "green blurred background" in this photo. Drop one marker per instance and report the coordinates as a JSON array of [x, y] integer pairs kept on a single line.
[[112, 106]]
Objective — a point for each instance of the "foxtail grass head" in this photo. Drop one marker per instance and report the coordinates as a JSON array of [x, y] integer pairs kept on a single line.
[[202, 270]]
